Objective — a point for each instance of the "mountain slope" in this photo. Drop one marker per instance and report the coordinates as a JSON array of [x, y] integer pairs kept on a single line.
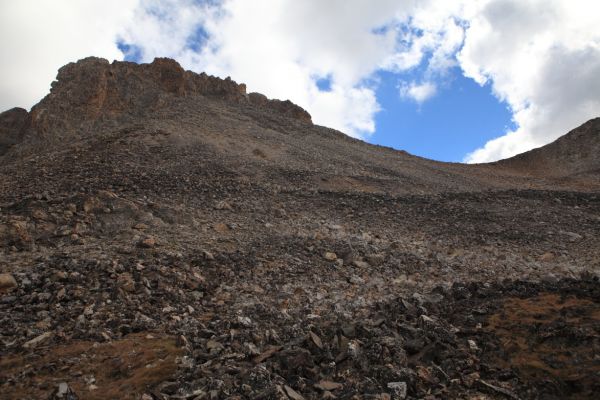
[[200, 242], [576, 153], [248, 133]]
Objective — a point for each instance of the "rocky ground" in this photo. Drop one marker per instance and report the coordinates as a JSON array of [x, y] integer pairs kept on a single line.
[[221, 246]]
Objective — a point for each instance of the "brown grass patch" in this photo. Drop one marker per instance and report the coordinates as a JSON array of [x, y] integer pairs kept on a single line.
[[123, 369], [550, 339]]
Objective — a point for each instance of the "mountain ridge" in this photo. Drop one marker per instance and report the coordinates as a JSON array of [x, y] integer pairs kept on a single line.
[[93, 96], [576, 152]]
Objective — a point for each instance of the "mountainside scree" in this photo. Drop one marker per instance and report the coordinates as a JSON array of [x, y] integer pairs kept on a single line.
[[165, 235]]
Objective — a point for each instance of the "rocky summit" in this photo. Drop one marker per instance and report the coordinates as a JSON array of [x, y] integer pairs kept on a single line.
[[167, 235]]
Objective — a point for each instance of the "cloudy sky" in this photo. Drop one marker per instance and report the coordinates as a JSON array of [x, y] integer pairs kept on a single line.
[[464, 80]]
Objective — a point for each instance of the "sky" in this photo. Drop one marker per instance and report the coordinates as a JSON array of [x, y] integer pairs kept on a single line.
[[462, 81]]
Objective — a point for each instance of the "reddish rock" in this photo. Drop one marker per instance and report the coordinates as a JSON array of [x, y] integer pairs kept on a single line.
[[93, 90], [148, 242]]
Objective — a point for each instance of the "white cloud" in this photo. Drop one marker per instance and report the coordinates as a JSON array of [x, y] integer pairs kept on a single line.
[[38, 37], [541, 57], [418, 92], [282, 47]]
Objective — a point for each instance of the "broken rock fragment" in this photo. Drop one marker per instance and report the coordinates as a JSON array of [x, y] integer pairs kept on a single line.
[[37, 340], [64, 392], [7, 282], [399, 389], [147, 243], [328, 385]]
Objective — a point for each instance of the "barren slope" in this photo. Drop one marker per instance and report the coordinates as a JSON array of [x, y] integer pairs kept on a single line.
[[575, 154], [252, 254]]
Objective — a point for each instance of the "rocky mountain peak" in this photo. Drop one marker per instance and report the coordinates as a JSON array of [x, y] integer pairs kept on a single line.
[[92, 90]]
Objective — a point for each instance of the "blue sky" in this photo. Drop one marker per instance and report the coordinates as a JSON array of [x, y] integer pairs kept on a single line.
[[462, 116], [463, 80]]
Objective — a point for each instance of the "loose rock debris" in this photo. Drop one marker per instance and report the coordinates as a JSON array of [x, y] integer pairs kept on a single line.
[[166, 235], [533, 340]]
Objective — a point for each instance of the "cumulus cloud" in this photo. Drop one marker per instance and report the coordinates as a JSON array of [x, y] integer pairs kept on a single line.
[[540, 57], [40, 36], [418, 92], [543, 59], [282, 48]]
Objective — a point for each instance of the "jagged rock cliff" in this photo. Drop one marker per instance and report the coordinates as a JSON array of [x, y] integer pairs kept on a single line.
[[93, 90]]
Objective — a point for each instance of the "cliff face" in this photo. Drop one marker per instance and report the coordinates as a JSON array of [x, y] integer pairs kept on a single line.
[[93, 90]]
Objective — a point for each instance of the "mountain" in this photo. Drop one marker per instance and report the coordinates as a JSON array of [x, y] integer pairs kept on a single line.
[[166, 235], [574, 154]]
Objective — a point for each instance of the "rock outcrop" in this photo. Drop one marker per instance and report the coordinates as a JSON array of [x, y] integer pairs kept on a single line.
[[93, 90], [283, 107], [13, 124]]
